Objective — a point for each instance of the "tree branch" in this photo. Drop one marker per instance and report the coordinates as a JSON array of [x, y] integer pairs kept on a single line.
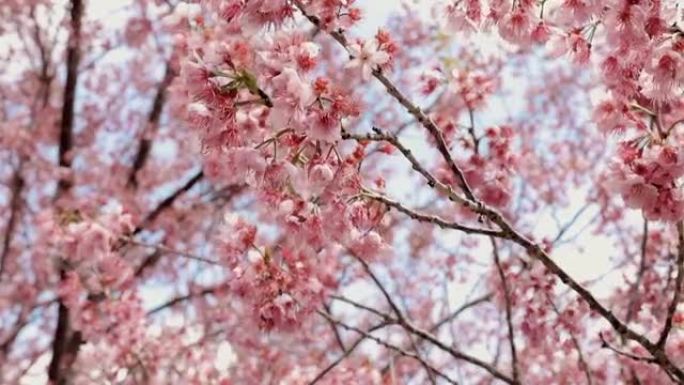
[[333, 327], [509, 310], [631, 356], [410, 107], [389, 346], [640, 274], [430, 218], [678, 288], [168, 201], [17, 187], [73, 57], [402, 321], [346, 352], [432, 182], [152, 125], [66, 343], [177, 300]]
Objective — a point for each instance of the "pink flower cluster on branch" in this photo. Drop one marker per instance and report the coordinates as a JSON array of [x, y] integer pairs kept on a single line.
[[261, 191]]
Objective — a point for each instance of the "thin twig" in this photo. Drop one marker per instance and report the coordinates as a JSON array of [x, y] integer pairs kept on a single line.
[[435, 220], [640, 274], [380, 135], [564, 229], [338, 337], [347, 352], [402, 321], [410, 107], [509, 310], [580, 355], [169, 250], [634, 357], [388, 345]]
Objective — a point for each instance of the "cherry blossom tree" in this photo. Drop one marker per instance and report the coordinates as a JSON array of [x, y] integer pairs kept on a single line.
[[263, 192]]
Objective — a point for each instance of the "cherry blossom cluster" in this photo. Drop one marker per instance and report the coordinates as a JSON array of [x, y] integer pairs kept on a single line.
[[264, 118], [96, 275], [647, 178], [306, 201], [88, 247], [642, 62]]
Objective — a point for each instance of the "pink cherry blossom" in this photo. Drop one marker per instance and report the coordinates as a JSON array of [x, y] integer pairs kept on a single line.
[[367, 56], [300, 192]]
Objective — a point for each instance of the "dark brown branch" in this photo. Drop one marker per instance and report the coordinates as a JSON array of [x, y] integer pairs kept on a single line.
[[359, 306], [640, 274], [509, 310], [346, 352], [168, 201], [471, 131], [379, 136], [19, 324], [66, 343], [430, 218], [163, 249], [448, 318], [415, 347], [410, 107], [73, 57], [389, 346], [338, 337], [145, 146], [402, 321], [165, 204], [402, 127], [148, 263], [677, 290], [180, 299], [15, 204], [44, 52], [631, 356], [380, 286], [461, 309]]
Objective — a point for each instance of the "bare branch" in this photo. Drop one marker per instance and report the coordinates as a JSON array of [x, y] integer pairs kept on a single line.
[[151, 128], [389, 346], [66, 343], [564, 229], [177, 300], [15, 204], [347, 352], [678, 288], [379, 135], [509, 310], [338, 337], [66, 127], [640, 274], [435, 220], [402, 321], [606, 345], [168, 202], [169, 250]]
